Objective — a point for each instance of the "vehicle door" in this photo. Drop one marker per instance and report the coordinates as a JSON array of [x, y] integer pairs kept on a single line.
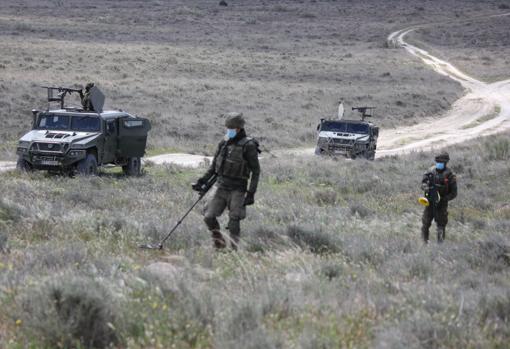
[[110, 141], [133, 136]]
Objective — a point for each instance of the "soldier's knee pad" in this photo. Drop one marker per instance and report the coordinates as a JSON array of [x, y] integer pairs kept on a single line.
[[212, 223]]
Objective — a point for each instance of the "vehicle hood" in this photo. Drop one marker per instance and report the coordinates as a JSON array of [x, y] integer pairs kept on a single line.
[[46, 136]]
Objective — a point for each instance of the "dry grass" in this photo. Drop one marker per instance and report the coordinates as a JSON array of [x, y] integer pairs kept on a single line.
[[479, 47], [285, 66], [312, 271]]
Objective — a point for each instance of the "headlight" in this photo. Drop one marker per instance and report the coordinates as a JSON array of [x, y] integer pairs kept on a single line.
[[23, 144], [363, 139], [76, 153]]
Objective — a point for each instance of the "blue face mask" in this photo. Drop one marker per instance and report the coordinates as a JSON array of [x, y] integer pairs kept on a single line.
[[231, 133], [440, 165]]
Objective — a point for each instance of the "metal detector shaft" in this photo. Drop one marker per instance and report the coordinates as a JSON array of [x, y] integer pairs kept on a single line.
[[206, 187], [160, 245]]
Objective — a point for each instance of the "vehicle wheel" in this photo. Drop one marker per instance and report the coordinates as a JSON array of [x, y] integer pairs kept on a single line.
[[23, 165], [87, 166], [133, 167], [371, 155], [318, 151]]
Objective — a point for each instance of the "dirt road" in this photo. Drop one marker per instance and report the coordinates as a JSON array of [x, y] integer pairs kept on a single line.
[[484, 110]]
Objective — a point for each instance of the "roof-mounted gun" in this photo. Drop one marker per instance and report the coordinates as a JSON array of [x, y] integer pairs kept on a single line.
[[366, 112], [58, 94]]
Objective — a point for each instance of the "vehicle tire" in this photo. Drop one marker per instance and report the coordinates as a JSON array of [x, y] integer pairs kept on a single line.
[[318, 151], [133, 167], [87, 166], [23, 165]]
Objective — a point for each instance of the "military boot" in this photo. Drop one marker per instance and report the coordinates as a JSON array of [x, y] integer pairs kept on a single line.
[[219, 241], [441, 234]]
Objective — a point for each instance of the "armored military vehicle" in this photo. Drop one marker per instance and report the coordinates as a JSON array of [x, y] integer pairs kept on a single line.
[[79, 140], [350, 138]]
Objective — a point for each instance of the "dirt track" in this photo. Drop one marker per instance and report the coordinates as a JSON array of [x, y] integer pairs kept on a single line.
[[484, 110]]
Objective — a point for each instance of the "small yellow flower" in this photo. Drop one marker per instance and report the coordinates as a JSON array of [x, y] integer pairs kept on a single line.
[[18, 322]]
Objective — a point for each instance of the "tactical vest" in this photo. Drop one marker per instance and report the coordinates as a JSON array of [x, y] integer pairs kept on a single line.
[[230, 161], [441, 180]]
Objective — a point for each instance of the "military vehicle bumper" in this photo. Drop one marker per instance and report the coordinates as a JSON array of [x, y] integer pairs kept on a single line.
[[51, 161], [339, 146]]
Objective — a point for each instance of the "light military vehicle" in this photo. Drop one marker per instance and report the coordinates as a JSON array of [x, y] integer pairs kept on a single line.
[[350, 138], [74, 140]]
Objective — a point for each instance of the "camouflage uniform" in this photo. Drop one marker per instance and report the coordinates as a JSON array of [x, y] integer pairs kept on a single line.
[[85, 98], [235, 161], [446, 184]]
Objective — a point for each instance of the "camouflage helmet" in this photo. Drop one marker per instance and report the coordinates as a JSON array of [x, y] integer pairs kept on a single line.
[[89, 86], [442, 157], [234, 120]]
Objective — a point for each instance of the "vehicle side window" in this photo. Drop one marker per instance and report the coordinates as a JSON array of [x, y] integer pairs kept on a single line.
[[130, 123]]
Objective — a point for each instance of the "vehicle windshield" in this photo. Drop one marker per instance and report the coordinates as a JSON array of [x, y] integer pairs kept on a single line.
[[338, 126], [53, 122], [85, 123], [81, 123]]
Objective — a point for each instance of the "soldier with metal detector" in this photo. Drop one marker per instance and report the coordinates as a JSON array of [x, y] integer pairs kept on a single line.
[[235, 163], [440, 186]]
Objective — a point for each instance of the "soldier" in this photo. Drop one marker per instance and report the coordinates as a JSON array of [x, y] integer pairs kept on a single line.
[[446, 184], [235, 161], [85, 97]]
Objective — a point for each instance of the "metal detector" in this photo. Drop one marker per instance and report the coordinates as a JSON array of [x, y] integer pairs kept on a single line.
[[204, 188]]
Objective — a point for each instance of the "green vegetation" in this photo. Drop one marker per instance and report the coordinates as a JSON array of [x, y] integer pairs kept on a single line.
[[331, 257]]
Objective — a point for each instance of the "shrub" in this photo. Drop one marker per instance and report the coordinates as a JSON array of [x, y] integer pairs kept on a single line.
[[9, 212], [70, 311], [313, 239], [262, 239], [497, 149], [325, 197], [3, 243]]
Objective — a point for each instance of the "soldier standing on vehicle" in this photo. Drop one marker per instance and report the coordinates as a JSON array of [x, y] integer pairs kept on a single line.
[[85, 98], [235, 163], [445, 183]]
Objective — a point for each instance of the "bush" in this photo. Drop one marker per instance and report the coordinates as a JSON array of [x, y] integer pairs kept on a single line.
[[3, 243], [313, 239], [497, 149], [70, 311]]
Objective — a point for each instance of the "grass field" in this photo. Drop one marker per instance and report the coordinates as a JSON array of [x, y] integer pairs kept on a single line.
[[284, 64], [479, 47], [331, 255], [329, 258]]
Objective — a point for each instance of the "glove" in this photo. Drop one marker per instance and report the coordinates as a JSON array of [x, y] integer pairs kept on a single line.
[[249, 199], [425, 186], [198, 186]]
